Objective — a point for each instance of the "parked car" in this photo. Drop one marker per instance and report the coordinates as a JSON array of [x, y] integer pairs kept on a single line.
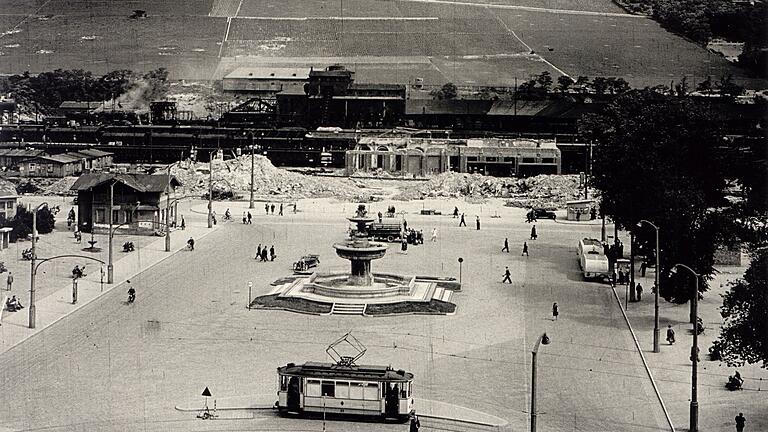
[[541, 213]]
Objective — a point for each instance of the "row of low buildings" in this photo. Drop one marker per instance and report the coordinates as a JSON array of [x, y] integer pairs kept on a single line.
[[38, 163], [417, 157]]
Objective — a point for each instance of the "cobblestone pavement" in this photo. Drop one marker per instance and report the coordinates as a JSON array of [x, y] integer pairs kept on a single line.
[[112, 366]]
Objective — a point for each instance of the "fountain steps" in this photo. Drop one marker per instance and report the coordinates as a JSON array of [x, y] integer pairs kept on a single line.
[[348, 309]]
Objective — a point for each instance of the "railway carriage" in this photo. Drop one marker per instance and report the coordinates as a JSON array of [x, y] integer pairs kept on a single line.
[[351, 390]]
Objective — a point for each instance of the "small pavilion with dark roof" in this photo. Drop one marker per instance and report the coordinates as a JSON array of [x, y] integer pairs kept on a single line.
[[138, 201]]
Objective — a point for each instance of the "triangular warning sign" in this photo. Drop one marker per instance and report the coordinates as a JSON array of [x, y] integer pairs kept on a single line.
[[206, 392]]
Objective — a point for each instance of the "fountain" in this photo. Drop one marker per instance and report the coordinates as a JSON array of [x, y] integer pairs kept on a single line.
[[361, 291], [359, 250]]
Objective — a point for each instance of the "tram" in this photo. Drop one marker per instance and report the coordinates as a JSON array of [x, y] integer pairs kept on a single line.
[[344, 387]]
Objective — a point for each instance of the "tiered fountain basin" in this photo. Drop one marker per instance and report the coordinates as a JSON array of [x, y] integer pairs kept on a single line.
[[335, 285]]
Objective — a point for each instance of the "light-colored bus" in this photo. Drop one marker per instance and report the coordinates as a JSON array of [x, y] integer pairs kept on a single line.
[[592, 259]]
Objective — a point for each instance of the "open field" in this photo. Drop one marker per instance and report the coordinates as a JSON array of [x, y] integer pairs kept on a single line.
[[470, 42]]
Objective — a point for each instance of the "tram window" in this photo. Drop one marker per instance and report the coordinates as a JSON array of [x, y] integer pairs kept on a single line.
[[371, 392], [283, 383], [342, 389], [356, 390], [313, 388], [403, 390], [329, 389]]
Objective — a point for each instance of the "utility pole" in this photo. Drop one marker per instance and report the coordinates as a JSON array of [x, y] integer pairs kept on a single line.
[[32, 267], [110, 267], [250, 203], [210, 189]]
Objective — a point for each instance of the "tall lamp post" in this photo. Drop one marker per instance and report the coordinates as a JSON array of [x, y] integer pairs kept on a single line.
[[210, 188], [32, 267], [694, 413], [168, 211], [543, 339], [656, 331], [110, 266]]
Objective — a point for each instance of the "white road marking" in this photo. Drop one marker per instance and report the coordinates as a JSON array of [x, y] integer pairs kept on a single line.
[[530, 8]]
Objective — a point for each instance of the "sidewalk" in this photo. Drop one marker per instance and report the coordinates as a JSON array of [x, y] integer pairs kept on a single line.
[[58, 304], [671, 367]]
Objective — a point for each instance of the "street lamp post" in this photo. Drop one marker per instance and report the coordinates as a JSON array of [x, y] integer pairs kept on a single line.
[[110, 266], [694, 412], [461, 260], [210, 188], [32, 267], [543, 339], [168, 211], [656, 330]]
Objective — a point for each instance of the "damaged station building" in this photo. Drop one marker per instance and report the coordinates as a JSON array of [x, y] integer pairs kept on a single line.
[[418, 157]]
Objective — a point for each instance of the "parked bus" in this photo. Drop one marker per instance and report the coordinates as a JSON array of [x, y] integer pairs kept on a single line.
[[592, 259]]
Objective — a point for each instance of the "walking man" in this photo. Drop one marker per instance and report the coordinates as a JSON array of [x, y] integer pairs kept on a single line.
[[525, 249], [670, 334], [534, 236], [434, 234], [455, 212], [462, 222], [281, 209], [258, 252], [266, 208], [506, 245], [249, 217], [272, 254], [555, 311], [245, 219], [380, 216], [643, 266], [639, 291], [183, 223], [477, 222], [405, 225], [9, 286], [507, 275], [404, 245], [264, 254], [415, 424], [272, 207], [740, 421]]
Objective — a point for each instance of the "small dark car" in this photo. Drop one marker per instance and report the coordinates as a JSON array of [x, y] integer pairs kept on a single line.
[[306, 262], [540, 213]]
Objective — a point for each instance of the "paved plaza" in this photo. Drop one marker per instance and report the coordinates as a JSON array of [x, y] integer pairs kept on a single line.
[[110, 366]]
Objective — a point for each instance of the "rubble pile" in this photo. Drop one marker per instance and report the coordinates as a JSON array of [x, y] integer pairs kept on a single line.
[[234, 176], [549, 191], [61, 187]]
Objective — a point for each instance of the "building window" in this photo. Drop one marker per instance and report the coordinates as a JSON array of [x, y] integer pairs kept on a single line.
[[529, 160], [32, 167], [548, 160], [509, 159], [9, 204], [50, 168], [491, 159], [471, 158], [101, 216]]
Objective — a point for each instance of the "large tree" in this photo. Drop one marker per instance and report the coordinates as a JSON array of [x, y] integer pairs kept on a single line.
[[744, 335], [656, 158]]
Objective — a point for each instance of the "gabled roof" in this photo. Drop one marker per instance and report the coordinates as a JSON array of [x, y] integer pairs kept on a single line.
[[7, 189], [19, 152], [93, 153], [454, 106], [139, 182], [59, 158]]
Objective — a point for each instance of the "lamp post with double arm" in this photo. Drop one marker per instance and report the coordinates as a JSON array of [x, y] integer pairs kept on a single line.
[[656, 330], [694, 411], [32, 267]]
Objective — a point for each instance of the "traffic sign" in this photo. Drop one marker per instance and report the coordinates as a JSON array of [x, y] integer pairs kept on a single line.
[[206, 392]]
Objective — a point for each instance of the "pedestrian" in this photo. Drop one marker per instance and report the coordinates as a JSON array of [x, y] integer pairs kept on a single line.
[[272, 254], [507, 275], [415, 424], [258, 252], [281, 209], [506, 245], [404, 245], [534, 236], [380, 216], [405, 225], [578, 216], [697, 351], [525, 249], [9, 285], [555, 311], [643, 266], [434, 234], [213, 216], [266, 208], [670, 334], [455, 212], [740, 421], [78, 237], [191, 243], [639, 291], [249, 217], [272, 207], [295, 207], [738, 378], [477, 222], [462, 222], [183, 223], [245, 219], [264, 254], [620, 277]]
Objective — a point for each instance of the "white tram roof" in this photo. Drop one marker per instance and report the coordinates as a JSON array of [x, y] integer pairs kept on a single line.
[[357, 372]]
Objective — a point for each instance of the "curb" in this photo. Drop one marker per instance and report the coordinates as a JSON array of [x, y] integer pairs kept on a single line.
[[645, 363]]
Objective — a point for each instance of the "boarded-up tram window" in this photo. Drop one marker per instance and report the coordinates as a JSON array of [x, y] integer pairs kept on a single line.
[[313, 388]]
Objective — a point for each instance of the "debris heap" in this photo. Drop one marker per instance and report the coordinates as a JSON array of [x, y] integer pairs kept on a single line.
[[233, 176], [549, 191]]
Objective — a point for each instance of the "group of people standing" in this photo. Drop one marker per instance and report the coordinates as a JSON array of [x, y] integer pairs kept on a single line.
[[271, 207], [264, 254]]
